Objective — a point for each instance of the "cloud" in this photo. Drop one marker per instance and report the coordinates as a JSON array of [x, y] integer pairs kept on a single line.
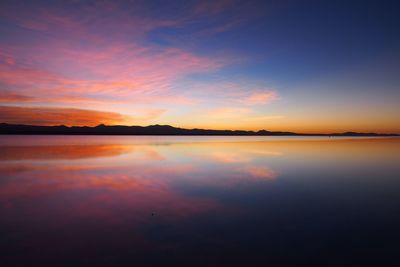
[[260, 98], [69, 116], [123, 72], [97, 55], [61, 152], [102, 56], [6, 58], [239, 92], [8, 97]]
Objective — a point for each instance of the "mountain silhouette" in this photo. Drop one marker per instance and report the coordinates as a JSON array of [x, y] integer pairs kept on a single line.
[[102, 129]]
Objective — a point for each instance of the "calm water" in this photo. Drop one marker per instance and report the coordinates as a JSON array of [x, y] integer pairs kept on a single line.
[[199, 201]]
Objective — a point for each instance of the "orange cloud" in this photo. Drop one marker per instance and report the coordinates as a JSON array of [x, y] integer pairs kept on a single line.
[[61, 152], [57, 116]]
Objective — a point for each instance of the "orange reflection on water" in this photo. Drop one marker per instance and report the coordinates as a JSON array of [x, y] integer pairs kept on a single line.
[[73, 151], [61, 152]]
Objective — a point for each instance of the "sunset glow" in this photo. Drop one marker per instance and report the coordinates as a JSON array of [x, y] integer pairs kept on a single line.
[[207, 64]]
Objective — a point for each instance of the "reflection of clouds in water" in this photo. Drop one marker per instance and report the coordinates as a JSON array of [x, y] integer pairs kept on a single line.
[[118, 188], [110, 194], [264, 152], [227, 157], [129, 197], [261, 172], [232, 153], [75, 152], [61, 152], [239, 159], [44, 179]]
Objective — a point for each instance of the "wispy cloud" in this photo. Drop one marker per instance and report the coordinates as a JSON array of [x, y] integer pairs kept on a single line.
[[10, 97], [95, 56], [259, 98], [100, 57]]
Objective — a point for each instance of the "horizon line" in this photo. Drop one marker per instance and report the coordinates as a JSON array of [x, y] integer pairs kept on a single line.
[[203, 130]]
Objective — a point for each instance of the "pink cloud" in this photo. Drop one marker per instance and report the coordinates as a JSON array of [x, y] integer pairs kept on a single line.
[[259, 98], [235, 96], [10, 97], [87, 57], [117, 71]]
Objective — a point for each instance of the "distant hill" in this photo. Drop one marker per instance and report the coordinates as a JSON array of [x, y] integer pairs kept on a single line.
[[6, 128]]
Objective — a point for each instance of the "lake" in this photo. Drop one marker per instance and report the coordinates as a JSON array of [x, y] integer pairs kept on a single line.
[[199, 201]]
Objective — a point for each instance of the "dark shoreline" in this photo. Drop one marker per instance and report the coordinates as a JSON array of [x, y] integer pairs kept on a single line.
[[153, 130]]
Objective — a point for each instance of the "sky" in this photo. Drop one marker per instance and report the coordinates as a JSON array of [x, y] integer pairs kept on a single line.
[[304, 66]]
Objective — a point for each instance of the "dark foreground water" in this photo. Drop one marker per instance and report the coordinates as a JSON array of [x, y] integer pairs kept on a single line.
[[199, 201]]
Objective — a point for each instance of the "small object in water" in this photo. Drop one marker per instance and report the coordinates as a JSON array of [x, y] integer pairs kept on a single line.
[[153, 213]]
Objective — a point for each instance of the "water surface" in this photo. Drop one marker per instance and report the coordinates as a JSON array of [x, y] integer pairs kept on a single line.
[[199, 201]]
